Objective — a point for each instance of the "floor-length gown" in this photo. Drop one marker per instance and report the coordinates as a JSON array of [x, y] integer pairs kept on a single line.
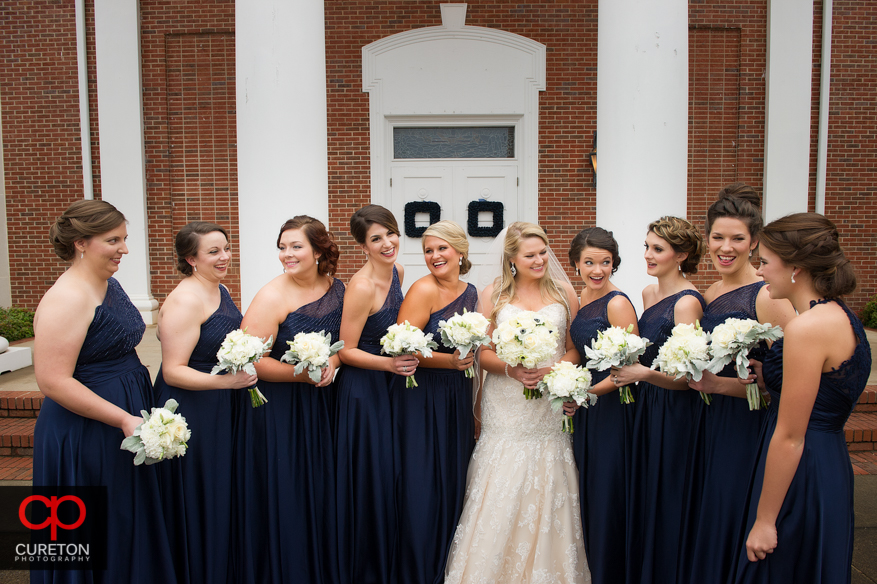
[[724, 452], [285, 468], [364, 458], [815, 522], [72, 450], [521, 518], [197, 488], [601, 443], [433, 439], [661, 444]]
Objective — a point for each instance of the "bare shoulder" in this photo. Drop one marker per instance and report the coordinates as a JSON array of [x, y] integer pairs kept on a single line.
[[713, 291], [400, 269], [360, 285], [650, 295]]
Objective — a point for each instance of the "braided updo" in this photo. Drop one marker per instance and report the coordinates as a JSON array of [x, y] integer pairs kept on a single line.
[[810, 241], [82, 220], [683, 237]]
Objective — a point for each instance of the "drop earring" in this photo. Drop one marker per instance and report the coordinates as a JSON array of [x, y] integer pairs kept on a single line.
[[82, 255], [318, 261], [514, 270], [793, 277], [577, 272], [195, 268], [460, 263]]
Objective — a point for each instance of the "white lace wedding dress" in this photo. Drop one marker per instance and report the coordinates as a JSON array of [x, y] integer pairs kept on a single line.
[[521, 519]]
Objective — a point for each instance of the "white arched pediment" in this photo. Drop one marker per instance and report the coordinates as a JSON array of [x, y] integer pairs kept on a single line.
[[454, 73]]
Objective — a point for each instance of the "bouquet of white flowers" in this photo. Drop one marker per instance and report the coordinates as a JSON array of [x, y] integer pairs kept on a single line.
[[685, 354], [526, 339], [238, 352], [162, 435], [465, 332], [407, 339], [567, 383], [311, 350], [616, 347], [732, 341]]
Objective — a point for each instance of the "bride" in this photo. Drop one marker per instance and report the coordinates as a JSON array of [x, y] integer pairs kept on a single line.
[[521, 519]]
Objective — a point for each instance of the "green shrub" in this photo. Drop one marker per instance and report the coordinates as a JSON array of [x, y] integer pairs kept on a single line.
[[16, 323], [869, 314]]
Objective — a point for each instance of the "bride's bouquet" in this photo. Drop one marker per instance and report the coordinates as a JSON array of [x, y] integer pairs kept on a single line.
[[311, 350], [162, 435], [731, 341], [616, 347], [527, 339], [237, 353], [567, 383], [407, 339], [685, 354], [465, 332]]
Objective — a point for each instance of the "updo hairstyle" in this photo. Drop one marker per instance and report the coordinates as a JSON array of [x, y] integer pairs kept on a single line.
[[810, 241], [595, 237], [82, 220], [364, 218], [683, 237], [456, 238], [320, 239], [737, 201], [188, 240]]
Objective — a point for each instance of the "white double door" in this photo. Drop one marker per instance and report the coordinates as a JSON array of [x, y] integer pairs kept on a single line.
[[453, 185]]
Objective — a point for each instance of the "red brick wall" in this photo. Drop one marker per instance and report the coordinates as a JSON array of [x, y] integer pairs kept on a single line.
[[189, 124], [851, 182], [38, 89], [567, 108], [41, 143]]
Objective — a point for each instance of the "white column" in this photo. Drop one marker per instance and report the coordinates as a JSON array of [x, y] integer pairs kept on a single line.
[[281, 127], [120, 120], [642, 124], [787, 111]]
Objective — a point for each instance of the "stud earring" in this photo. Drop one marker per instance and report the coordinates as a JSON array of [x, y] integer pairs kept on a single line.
[[514, 270]]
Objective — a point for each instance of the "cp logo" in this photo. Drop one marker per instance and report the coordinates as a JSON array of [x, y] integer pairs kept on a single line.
[[52, 504]]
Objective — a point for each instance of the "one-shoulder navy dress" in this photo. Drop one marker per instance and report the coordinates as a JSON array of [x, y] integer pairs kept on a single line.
[[285, 468], [601, 442], [661, 444], [71, 450], [816, 519], [197, 488], [724, 452], [434, 429], [364, 458]]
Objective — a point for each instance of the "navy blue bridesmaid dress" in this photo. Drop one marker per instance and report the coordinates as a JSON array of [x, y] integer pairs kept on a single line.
[[815, 522], [364, 458], [71, 450], [601, 443], [724, 452], [197, 488], [433, 427], [661, 444], [285, 469]]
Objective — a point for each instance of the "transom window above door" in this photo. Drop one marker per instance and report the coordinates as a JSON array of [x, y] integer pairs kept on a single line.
[[453, 142]]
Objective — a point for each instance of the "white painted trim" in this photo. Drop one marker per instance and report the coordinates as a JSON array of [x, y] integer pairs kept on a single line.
[[824, 103], [527, 129], [5, 277], [84, 120]]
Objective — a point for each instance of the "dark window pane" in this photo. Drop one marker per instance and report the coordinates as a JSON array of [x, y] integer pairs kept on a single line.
[[454, 142]]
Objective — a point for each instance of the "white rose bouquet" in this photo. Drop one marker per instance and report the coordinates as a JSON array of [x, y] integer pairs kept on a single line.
[[567, 383], [238, 352], [162, 435], [407, 339], [685, 354], [616, 347], [311, 350], [465, 332], [731, 341], [527, 339]]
